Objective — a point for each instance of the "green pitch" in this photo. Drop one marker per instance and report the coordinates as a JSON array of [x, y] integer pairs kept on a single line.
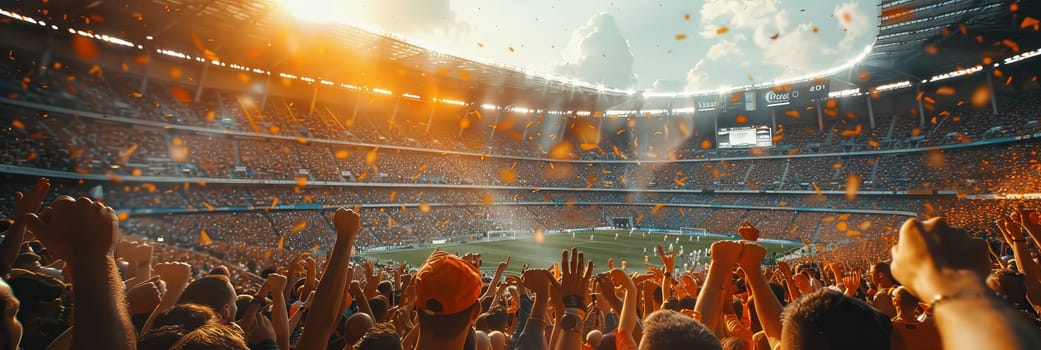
[[601, 247]]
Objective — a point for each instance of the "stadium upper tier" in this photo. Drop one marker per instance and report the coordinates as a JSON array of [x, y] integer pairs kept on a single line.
[[92, 119]]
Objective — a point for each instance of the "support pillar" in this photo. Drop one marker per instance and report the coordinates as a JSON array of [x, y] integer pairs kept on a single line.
[[921, 109], [357, 102], [314, 99], [144, 77], [993, 96], [430, 118], [870, 111], [202, 81], [820, 117]]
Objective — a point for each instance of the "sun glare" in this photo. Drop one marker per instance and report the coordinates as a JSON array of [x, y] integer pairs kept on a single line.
[[318, 11]]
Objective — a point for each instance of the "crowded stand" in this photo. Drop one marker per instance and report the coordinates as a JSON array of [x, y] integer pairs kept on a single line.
[[156, 200]]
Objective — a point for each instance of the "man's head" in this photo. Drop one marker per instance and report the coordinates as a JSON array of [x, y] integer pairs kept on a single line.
[[667, 329], [593, 338], [378, 305], [380, 337], [188, 316], [214, 291], [42, 310], [1008, 283], [827, 319], [904, 302], [356, 327], [212, 337], [10, 328], [447, 288], [881, 275]]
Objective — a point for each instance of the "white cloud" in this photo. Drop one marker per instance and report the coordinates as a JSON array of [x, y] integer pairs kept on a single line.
[[723, 49], [800, 51], [665, 85], [598, 53], [416, 18], [698, 78], [761, 15], [855, 22]]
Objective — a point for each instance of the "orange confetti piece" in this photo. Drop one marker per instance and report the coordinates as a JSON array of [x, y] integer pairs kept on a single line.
[[84, 48], [816, 30], [123, 216], [1029, 22], [792, 113], [945, 91], [136, 172], [17, 124], [562, 151], [722, 30], [370, 158], [300, 226], [741, 119], [980, 97], [301, 181], [686, 16], [852, 187], [775, 36], [342, 154], [656, 208], [706, 144], [486, 199], [681, 36], [424, 208]]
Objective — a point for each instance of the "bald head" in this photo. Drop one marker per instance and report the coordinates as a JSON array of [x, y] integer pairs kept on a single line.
[[593, 338], [356, 327], [498, 340]]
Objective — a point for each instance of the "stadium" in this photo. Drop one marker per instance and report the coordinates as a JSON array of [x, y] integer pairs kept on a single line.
[[227, 134]]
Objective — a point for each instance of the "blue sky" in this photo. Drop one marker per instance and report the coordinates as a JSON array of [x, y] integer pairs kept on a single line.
[[633, 44]]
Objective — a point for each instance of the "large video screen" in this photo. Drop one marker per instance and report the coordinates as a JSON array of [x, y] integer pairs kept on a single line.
[[744, 137]]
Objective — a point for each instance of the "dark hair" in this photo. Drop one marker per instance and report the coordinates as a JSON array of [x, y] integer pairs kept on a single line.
[[688, 302], [446, 326], [212, 291], [382, 336], [734, 343], [379, 307], [211, 337], [498, 318], [883, 268], [161, 338], [188, 316], [667, 329], [829, 319]]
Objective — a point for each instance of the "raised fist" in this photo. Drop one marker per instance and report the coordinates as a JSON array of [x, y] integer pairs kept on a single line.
[[748, 232], [75, 230], [932, 258]]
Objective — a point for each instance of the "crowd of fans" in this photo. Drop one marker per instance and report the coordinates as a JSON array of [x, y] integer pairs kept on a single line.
[[72, 280]]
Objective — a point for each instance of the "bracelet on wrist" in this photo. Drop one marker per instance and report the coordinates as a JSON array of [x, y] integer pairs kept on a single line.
[[940, 299], [576, 301]]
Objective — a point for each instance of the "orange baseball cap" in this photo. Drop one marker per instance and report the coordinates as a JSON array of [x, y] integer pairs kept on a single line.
[[447, 284]]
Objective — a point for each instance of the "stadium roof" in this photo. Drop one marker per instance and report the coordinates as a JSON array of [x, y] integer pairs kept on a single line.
[[916, 38]]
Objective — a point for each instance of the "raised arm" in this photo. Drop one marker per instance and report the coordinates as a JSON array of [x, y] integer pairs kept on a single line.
[[323, 316], [766, 304], [1013, 232], [176, 276], [24, 204], [82, 233], [724, 256], [574, 286], [669, 262], [627, 316], [946, 268]]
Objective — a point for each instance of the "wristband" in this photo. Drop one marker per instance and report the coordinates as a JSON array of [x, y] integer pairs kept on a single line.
[[576, 301], [943, 298]]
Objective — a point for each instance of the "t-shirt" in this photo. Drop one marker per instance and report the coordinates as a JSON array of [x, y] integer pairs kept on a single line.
[[914, 335], [624, 342]]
